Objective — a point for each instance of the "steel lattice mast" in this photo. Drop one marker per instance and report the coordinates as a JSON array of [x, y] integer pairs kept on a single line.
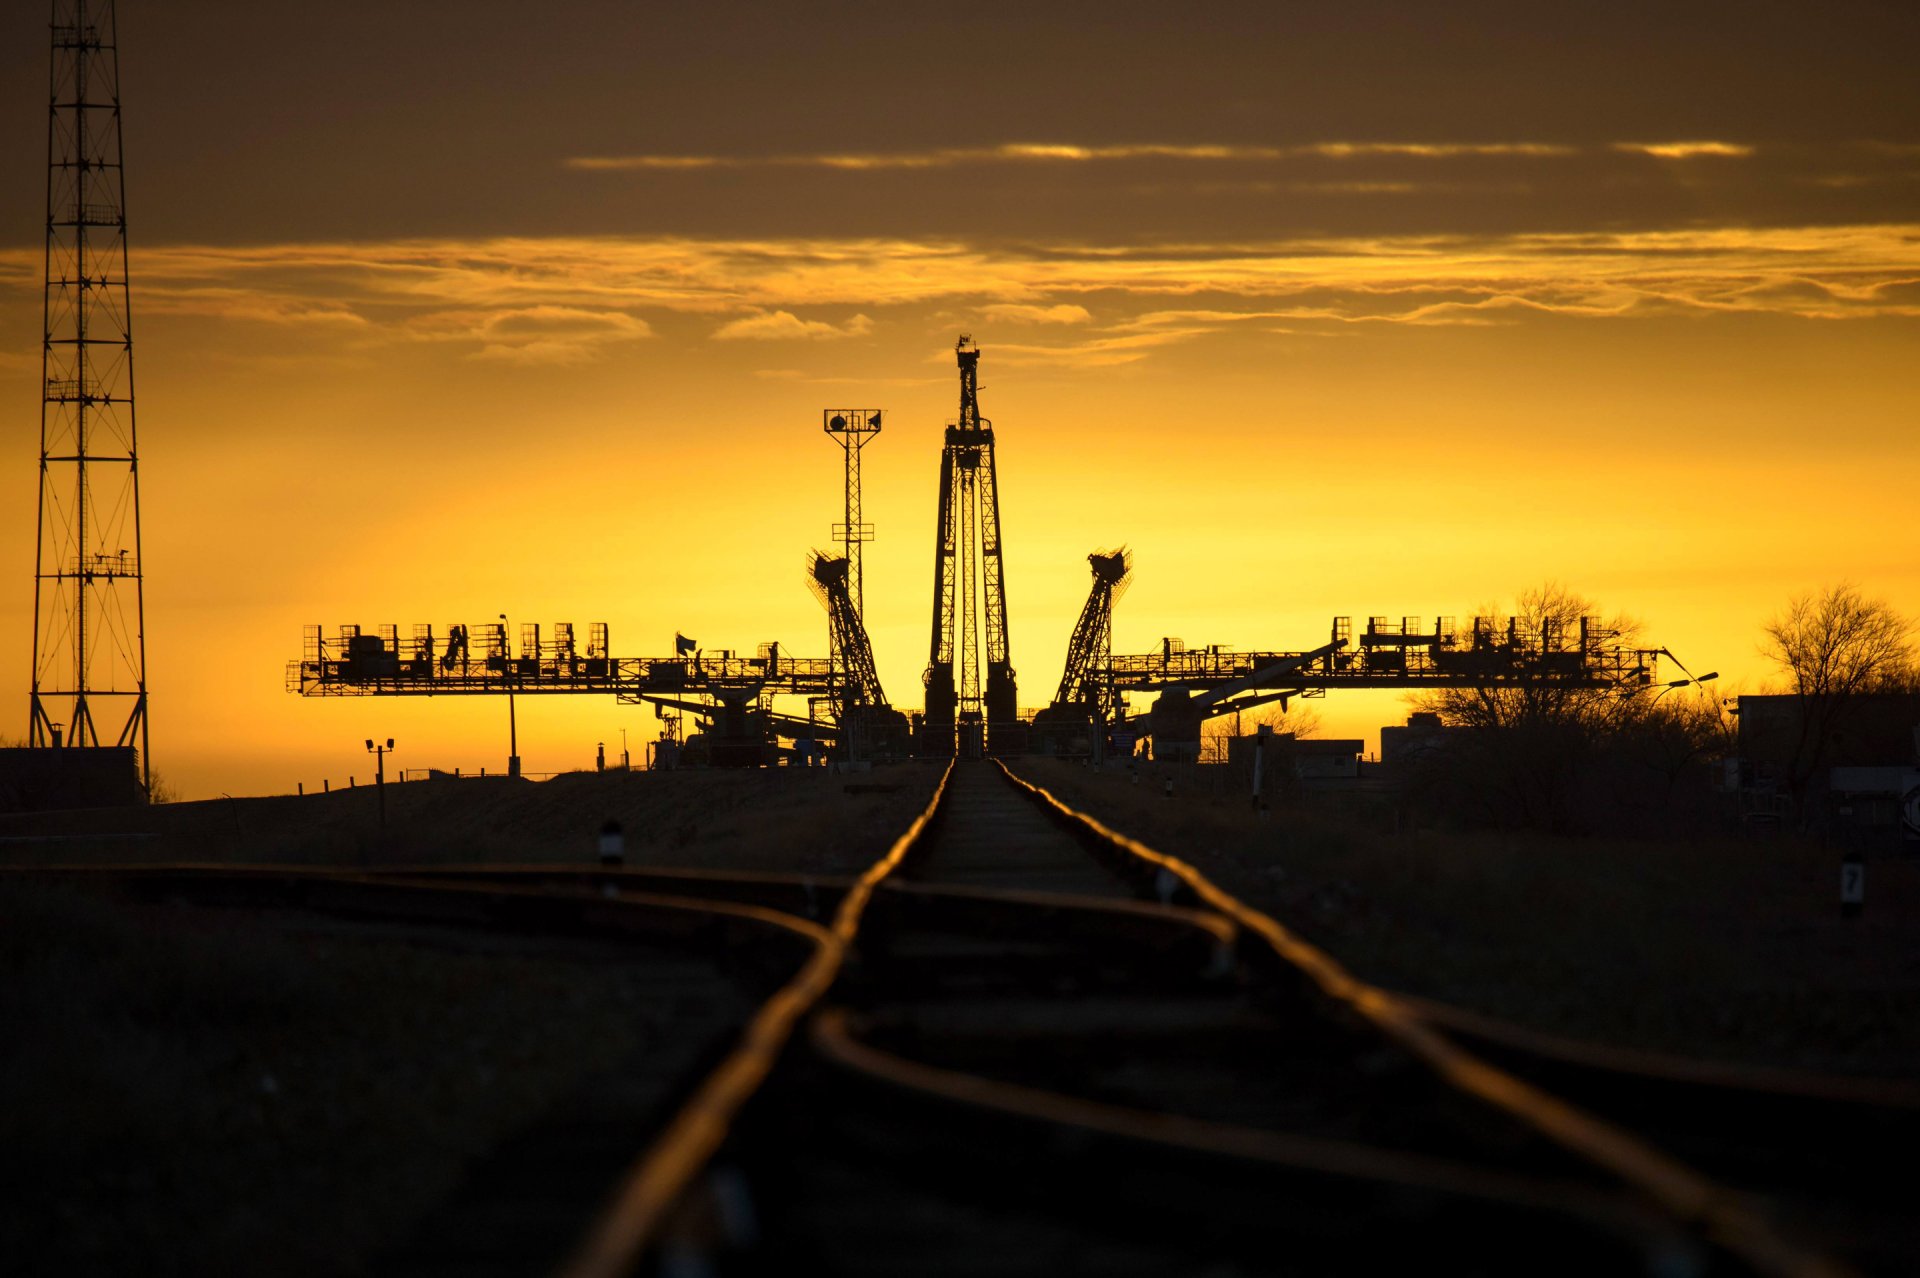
[[89, 634], [854, 429], [969, 591]]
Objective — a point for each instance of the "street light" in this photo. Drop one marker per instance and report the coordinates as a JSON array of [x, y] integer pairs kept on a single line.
[[379, 753], [1702, 681], [513, 727], [1691, 681]]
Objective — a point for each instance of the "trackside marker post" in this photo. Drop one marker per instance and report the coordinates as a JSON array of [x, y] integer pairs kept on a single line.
[[1260, 739], [1853, 885], [613, 845]]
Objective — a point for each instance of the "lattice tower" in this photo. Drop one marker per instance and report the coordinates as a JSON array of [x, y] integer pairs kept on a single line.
[[89, 645], [854, 429]]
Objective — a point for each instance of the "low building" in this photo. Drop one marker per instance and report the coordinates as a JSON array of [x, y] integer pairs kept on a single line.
[[1868, 731], [1880, 804], [1407, 746], [39, 779], [1305, 758]]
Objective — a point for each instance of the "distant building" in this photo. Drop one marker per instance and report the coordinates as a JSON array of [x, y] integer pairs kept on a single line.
[[1873, 730], [1306, 759], [1863, 777], [39, 779], [1408, 746], [1877, 801]]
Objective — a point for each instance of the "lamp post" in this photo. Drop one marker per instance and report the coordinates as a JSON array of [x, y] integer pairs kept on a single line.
[[513, 727], [626, 763], [1689, 682], [379, 753]]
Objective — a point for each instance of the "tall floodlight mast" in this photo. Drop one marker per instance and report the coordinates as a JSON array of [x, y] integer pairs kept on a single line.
[[969, 591], [853, 429], [89, 633]]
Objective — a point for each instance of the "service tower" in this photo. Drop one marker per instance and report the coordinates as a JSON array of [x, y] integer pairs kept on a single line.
[[969, 591]]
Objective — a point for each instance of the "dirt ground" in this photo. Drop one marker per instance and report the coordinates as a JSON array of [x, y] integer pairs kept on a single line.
[[260, 1094], [182, 1058], [1726, 948], [793, 819], [1730, 949], [201, 1091]]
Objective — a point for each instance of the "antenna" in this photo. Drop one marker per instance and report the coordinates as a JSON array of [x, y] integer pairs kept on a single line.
[[89, 619]]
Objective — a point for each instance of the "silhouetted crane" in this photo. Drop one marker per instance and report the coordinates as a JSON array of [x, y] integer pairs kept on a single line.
[[1081, 683], [867, 728], [857, 681]]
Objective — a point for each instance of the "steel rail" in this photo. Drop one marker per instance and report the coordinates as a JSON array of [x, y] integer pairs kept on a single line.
[[642, 1206], [1677, 1188], [1758, 1081], [621, 1235], [387, 895], [832, 1033]]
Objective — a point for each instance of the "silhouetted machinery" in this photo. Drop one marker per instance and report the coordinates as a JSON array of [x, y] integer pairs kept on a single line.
[[731, 694], [971, 696], [1087, 703], [1192, 685], [869, 728], [969, 593]]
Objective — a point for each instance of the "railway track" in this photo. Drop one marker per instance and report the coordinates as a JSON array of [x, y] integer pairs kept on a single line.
[[1010, 1080], [1022, 1043]]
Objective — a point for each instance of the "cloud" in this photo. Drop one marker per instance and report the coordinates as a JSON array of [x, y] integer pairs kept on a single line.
[[1097, 352], [816, 379], [1435, 150], [1187, 318], [1065, 153], [782, 326], [573, 299], [1025, 313], [1686, 150], [245, 306], [531, 334]]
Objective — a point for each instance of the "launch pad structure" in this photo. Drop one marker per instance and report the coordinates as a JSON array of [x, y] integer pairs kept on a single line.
[[969, 592], [971, 694], [89, 711]]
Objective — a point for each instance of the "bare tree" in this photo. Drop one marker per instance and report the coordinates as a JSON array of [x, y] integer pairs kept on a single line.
[[160, 789], [1835, 645], [1553, 612], [1673, 736], [1521, 762], [1296, 717]]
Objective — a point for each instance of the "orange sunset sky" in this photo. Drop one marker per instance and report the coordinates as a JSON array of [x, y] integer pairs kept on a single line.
[[445, 310]]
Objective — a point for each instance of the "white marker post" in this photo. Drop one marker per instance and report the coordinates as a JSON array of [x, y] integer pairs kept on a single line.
[[613, 845], [1853, 885]]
